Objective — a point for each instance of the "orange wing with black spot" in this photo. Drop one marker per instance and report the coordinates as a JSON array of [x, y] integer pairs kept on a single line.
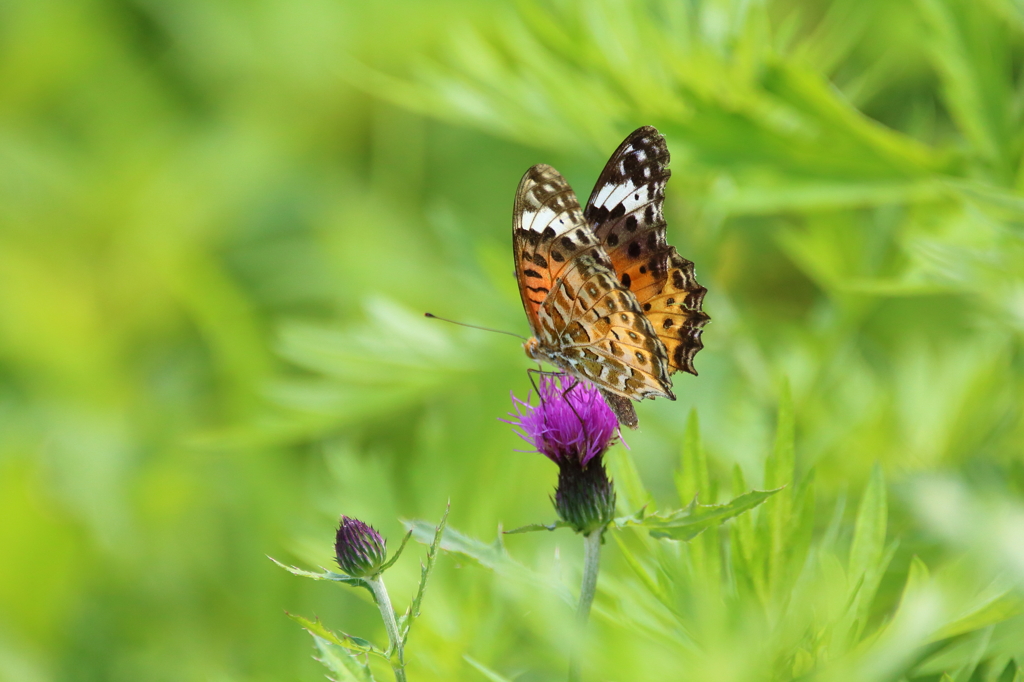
[[625, 211], [584, 320]]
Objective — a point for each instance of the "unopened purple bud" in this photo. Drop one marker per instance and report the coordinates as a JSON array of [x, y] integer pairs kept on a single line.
[[359, 549]]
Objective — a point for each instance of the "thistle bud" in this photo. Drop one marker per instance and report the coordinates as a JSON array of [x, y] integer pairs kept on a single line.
[[585, 496], [359, 549]]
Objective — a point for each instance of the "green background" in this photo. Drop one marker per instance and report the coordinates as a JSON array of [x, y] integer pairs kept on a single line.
[[221, 222]]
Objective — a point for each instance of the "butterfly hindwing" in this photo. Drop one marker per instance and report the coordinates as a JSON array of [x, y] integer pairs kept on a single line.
[[676, 315], [626, 213]]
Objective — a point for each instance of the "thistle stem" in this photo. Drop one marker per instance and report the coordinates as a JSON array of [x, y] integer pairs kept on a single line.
[[387, 613], [591, 564]]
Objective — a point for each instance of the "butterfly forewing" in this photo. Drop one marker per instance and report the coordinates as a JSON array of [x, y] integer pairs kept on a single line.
[[544, 201], [584, 320], [625, 211]]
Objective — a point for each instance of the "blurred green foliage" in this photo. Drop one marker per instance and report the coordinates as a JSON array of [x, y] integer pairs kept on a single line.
[[220, 223]]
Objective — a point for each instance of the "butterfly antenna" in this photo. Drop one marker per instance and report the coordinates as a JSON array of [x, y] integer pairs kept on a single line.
[[473, 326]]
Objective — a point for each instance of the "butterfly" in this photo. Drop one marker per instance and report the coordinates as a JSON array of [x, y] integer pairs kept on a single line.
[[607, 299]]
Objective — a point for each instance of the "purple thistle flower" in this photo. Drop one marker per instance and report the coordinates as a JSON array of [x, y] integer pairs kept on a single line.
[[572, 421], [573, 427], [359, 549]]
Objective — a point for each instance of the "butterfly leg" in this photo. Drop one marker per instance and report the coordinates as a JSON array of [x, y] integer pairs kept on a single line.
[[565, 393], [575, 382], [531, 372], [540, 372], [565, 397]]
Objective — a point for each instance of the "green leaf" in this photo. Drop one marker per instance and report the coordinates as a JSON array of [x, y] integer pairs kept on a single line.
[[969, 54], [779, 465], [323, 575], [917, 577], [645, 578], [489, 555], [963, 658], [869, 587], [425, 568], [689, 522], [869, 558], [394, 557], [484, 670], [803, 662], [994, 610], [628, 484], [995, 668], [341, 661], [745, 565], [815, 95], [830, 539], [803, 529], [816, 195], [692, 477], [317, 628], [979, 650], [869, 528], [536, 526], [779, 471]]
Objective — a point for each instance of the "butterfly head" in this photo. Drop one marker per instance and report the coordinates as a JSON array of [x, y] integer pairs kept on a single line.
[[534, 350]]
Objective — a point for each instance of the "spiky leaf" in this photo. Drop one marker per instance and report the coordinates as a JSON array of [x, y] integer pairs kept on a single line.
[[691, 521]]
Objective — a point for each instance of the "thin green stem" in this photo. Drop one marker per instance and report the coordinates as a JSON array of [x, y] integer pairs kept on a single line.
[[591, 564], [380, 593]]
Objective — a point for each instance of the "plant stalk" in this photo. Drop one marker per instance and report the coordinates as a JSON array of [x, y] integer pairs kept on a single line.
[[380, 594], [591, 564]]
